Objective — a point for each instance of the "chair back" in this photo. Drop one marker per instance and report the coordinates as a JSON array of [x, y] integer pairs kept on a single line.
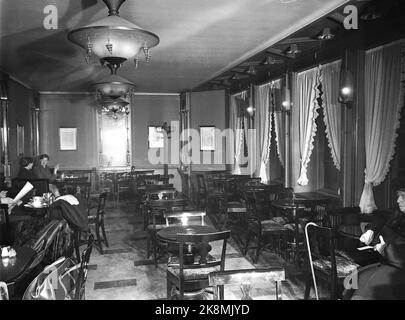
[[202, 240], [101, 205], [320, 245], [85, 259], [184, 216], [246, 279]]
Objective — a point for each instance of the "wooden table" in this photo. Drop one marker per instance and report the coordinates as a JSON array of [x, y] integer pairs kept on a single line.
[[12, 268], [168, 235]]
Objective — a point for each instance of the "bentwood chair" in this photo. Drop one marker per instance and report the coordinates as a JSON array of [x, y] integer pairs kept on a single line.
[[325, 262], [82, 276], [247, 280], [183, 279], [97, 219], [263, 227]]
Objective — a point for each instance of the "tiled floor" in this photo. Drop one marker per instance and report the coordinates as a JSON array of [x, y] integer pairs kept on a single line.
[[122, 271]]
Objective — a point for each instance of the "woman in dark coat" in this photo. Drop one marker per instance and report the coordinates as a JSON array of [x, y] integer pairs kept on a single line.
[[26, 172], [385, 280]]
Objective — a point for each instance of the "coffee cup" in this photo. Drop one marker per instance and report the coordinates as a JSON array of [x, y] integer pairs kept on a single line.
[[37, 201]]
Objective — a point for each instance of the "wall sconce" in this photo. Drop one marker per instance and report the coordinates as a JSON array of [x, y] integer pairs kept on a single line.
[[346, 85], [251, 110]]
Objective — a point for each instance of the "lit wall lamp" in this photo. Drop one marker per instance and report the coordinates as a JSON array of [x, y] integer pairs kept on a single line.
[[286, 96], [251, 109], [346, 87]]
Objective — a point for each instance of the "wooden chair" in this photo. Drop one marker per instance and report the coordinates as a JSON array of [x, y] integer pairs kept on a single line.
[[155, 221], [183, 278], [106, 183], [260, 226], [98, 220], [201, 191], [82, 277], [325, 262], [124, 183], [246, 279]]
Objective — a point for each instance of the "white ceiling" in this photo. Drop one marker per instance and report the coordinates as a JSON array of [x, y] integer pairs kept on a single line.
[[198, 39]]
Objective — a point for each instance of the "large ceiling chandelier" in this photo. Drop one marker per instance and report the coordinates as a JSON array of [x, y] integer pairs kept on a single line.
[[113, 39]]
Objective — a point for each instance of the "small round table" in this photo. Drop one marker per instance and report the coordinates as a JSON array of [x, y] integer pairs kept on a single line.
[[169, 236], [11, 268], [292, 206]]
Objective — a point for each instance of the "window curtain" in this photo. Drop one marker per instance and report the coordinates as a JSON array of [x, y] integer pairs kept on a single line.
[[384, 98], [263, 129], [279, 118], [307, 92], [332, 109], [236, 124]]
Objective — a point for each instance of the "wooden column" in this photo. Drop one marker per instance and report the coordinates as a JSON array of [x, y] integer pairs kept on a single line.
[[352, 145]]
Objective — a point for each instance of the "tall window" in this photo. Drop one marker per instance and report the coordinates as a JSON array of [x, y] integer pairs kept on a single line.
[[114, 141]]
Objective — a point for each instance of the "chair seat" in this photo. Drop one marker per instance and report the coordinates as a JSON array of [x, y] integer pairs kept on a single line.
[[173, 260], [271, 225], [92, 219], [344, 267], [193, 274], [236, 207], [291, 226]]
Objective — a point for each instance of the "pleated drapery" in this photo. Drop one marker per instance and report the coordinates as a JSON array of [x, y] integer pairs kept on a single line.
[[263, 129], [384, 94], [307, 92], [279, 118], [332, 108], [236, 125]]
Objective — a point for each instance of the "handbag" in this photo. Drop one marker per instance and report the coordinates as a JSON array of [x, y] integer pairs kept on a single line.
[[56, 282]]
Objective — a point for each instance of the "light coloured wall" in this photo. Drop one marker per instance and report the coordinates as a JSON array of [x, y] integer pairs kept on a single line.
[[69, 110], [78, 110], [208, 109]]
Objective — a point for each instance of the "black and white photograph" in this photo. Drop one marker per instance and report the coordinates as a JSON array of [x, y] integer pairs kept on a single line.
[[202, 152]]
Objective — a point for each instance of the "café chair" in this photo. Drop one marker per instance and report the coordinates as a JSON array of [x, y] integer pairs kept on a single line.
[[182, 278], [155, 222], [97, 219], [106, 183], [82, 275], [247, 280], [124, 184], [261, 227], [325, 262]]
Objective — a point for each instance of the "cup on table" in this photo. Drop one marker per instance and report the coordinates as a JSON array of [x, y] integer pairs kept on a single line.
[[37, 201]]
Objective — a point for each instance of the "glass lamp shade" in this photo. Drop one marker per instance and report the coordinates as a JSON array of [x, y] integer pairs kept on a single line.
[[346, 87], [124, 38], [114, 86], [114, 105]]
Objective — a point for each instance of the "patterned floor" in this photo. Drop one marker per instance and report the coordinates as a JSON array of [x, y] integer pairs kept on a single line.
[[123, 273]]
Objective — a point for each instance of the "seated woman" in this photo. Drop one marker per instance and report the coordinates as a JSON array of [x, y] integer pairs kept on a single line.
[[26, 172], [384, 280]]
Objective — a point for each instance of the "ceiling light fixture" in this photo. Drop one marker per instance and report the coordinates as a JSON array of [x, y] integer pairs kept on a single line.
[[113, 39], [113, 107], [326, 34], [293, 50], [252, 70], [114, 87]]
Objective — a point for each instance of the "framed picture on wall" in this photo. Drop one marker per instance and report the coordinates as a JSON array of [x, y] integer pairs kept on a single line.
[[20, 140], [68, 138], [207, 138], [155, 137]]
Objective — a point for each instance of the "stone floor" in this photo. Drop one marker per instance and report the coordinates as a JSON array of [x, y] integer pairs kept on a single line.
[[123, 273]]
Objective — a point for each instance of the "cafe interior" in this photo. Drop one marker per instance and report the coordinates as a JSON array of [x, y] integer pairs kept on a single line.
[[210, 150]]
